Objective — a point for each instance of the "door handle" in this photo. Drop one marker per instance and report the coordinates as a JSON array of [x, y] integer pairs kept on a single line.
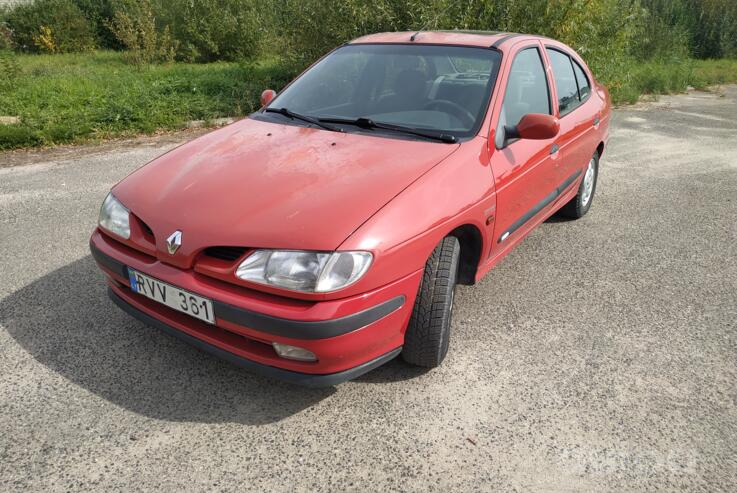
[[596, 120], [554, 149]]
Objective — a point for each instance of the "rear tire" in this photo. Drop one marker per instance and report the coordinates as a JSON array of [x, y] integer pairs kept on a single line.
[[579, 205], [428, 333]]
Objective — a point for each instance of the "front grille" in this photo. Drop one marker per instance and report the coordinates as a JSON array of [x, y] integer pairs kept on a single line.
[[228, 253], [146, 229]]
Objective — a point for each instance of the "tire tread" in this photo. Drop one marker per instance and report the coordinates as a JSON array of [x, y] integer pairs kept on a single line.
[[428, 333]]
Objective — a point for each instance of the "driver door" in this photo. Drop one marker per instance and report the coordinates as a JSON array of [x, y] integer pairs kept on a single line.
[[525, 171]]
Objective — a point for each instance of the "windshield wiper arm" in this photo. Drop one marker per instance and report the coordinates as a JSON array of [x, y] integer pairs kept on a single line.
[[304, 118], [369, 124]]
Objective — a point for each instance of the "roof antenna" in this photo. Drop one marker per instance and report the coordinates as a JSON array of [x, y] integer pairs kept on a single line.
[[424, 26], [412, 38]]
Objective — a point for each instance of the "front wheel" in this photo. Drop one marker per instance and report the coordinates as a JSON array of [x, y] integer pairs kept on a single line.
[[581, 203], [428, 333]]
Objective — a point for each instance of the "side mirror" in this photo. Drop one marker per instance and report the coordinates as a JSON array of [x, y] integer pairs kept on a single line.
[[536, 126], [267, 96]]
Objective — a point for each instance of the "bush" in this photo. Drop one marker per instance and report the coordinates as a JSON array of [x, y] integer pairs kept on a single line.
[[209, 30], [134, 25], [100, 13], [9, 68], [57, 26], [614, 36], [15, 136], [312, 27], [662, 34], [6, 35]]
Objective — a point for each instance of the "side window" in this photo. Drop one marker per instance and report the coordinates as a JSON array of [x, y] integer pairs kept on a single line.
[[527, 92], [584, 88], [565, 81]]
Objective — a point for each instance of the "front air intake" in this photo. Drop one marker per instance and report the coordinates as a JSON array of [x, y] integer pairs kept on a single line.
[[227, 253]]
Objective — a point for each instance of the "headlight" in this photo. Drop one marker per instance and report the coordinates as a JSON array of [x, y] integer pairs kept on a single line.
[[114, 217], [311, 272]]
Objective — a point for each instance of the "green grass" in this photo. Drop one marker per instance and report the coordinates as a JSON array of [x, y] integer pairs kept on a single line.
[[78, 97], [652, 78]]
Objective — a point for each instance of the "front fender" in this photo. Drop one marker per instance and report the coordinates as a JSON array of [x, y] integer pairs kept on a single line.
[[402, 234]]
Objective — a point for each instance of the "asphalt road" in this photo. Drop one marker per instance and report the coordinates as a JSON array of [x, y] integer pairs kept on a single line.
[[600, 355]]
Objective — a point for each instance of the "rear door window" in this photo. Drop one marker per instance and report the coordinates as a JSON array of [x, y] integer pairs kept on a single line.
[[565, 81]]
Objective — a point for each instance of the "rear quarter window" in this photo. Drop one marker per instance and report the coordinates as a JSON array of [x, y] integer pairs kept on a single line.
[[584, 87]]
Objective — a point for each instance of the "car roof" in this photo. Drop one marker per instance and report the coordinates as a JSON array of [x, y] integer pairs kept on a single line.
[[484, 39]]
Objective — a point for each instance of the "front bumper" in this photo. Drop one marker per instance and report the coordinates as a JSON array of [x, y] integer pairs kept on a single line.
[[304, 379], [349, 336]]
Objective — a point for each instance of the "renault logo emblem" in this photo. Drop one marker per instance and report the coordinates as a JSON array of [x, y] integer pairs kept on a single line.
[[174, 242]]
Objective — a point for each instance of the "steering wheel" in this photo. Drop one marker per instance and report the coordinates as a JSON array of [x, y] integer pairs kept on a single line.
[[455, 109]]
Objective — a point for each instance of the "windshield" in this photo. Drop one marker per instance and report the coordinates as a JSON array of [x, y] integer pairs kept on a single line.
[[424, 87]]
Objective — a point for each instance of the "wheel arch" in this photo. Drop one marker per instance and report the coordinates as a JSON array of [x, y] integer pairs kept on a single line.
[[471, 243], [600, 149]]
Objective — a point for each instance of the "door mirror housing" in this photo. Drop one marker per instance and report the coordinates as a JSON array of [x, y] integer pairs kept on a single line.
[[536, 126], [267, 96]]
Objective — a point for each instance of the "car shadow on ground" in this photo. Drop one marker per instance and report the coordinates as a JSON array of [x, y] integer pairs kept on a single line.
[[395, 370], [558, 218], [66, 322]]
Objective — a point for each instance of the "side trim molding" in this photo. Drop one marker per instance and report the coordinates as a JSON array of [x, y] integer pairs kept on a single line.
[[297, 329], [109, 263], [547, 200]]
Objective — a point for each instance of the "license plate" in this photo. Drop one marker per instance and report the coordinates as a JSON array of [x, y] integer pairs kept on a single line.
[[172, 296]]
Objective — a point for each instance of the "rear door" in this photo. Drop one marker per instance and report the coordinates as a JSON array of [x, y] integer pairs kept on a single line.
[[577, 139], [525, 171]]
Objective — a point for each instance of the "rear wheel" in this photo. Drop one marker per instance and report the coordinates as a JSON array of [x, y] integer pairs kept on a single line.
[[428, 334], [581, 203]]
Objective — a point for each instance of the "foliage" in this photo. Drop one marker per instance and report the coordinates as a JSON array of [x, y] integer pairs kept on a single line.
[[600, 30], [6, 39], [209, 30], [662, 34], [9, 68], [606, 31], [6, 35], [44, 40], [100, 13], [201, 30], [15, 136], [41, 24], [312, 27], [701, 28], [633, 46], [134, 25], [76, 97], [72, 98], [613, 36]]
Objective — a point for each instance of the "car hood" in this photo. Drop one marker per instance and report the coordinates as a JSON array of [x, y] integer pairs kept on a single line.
[[263, 184]]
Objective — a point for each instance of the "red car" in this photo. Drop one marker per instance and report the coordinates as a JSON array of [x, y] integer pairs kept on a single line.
[[324, 234]]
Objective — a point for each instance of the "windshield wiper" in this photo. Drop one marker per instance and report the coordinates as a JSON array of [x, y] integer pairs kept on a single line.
[[370, 124], [304, 118]]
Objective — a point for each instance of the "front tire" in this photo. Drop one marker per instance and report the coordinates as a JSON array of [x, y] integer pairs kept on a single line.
[[428, 333], [579, 205]]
